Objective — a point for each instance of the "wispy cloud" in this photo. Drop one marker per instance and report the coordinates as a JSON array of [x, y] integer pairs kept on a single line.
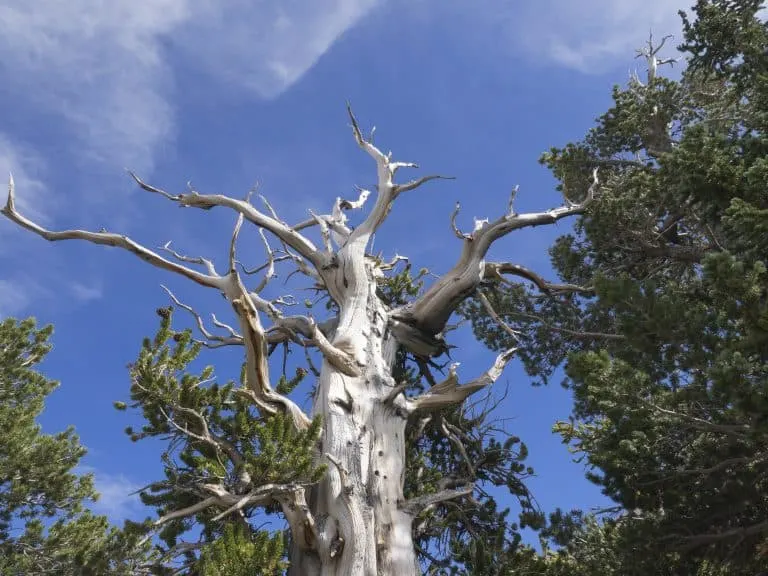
[[20, 292], [117, 498], [105, 68], [17, 293], [27, 168], [97, 64], [592, 36], [267, 46], [86, 292]]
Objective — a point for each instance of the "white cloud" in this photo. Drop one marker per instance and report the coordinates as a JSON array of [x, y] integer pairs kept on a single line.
[[12, 299], [117, 497], [86, 292], [103, 65], [97, 64], [268, 45], [591, 36], [18, 293]]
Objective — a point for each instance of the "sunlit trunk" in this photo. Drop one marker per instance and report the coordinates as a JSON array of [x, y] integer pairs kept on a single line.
[[361, 529]]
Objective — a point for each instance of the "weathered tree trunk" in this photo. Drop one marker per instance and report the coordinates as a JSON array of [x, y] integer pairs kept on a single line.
[[357, 506]]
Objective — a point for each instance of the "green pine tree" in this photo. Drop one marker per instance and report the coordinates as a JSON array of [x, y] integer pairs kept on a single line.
[[660, 314], [45, 528]]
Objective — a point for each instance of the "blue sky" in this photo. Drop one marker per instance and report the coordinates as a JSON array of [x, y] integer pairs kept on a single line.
[[227, 94]]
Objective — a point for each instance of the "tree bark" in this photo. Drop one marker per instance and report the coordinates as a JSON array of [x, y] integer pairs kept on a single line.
[[361, 528]]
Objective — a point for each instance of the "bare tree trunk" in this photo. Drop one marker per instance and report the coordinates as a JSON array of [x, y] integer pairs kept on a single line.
[[357, 506]]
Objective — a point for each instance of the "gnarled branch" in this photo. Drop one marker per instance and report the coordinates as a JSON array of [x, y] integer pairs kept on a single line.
[[291, 497], [259, 390], [337, 220], [211, 340], [495, 270], [107, 239], [415, 506], [450, 393], [386, 188], [258, 387], [205, 436], [431, 311], [280, 229]]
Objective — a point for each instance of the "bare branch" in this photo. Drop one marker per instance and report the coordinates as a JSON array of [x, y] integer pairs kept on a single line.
[[190, 259], [296, 510], [212, 340], [233, 245], [512, 197], [394, 393], [290, 496], [236, 507], [450, 392], [206, 436], [415, 183], [493, 314], [384, 266], [227, 327], [456, 441], [335, 353], [189, 510], [343, 360], [353, 204], [108, 239], [259, 268], [325, 231], [284, 330], [258, 387], [270, 265], [339, 207], [459, 234], [431, 311], [386, 189], [496, 269], [415, 506], [207, 201], [650, 53], [154, 190]]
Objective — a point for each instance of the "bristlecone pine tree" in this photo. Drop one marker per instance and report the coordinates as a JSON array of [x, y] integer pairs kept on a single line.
[[44, 527], [661, 311], [388, 473]]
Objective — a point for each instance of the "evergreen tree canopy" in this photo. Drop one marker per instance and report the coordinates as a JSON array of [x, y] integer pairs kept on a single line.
[[44, 526], [660, 316]]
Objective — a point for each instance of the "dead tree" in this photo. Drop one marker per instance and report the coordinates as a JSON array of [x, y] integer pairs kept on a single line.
[[356, 521]]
